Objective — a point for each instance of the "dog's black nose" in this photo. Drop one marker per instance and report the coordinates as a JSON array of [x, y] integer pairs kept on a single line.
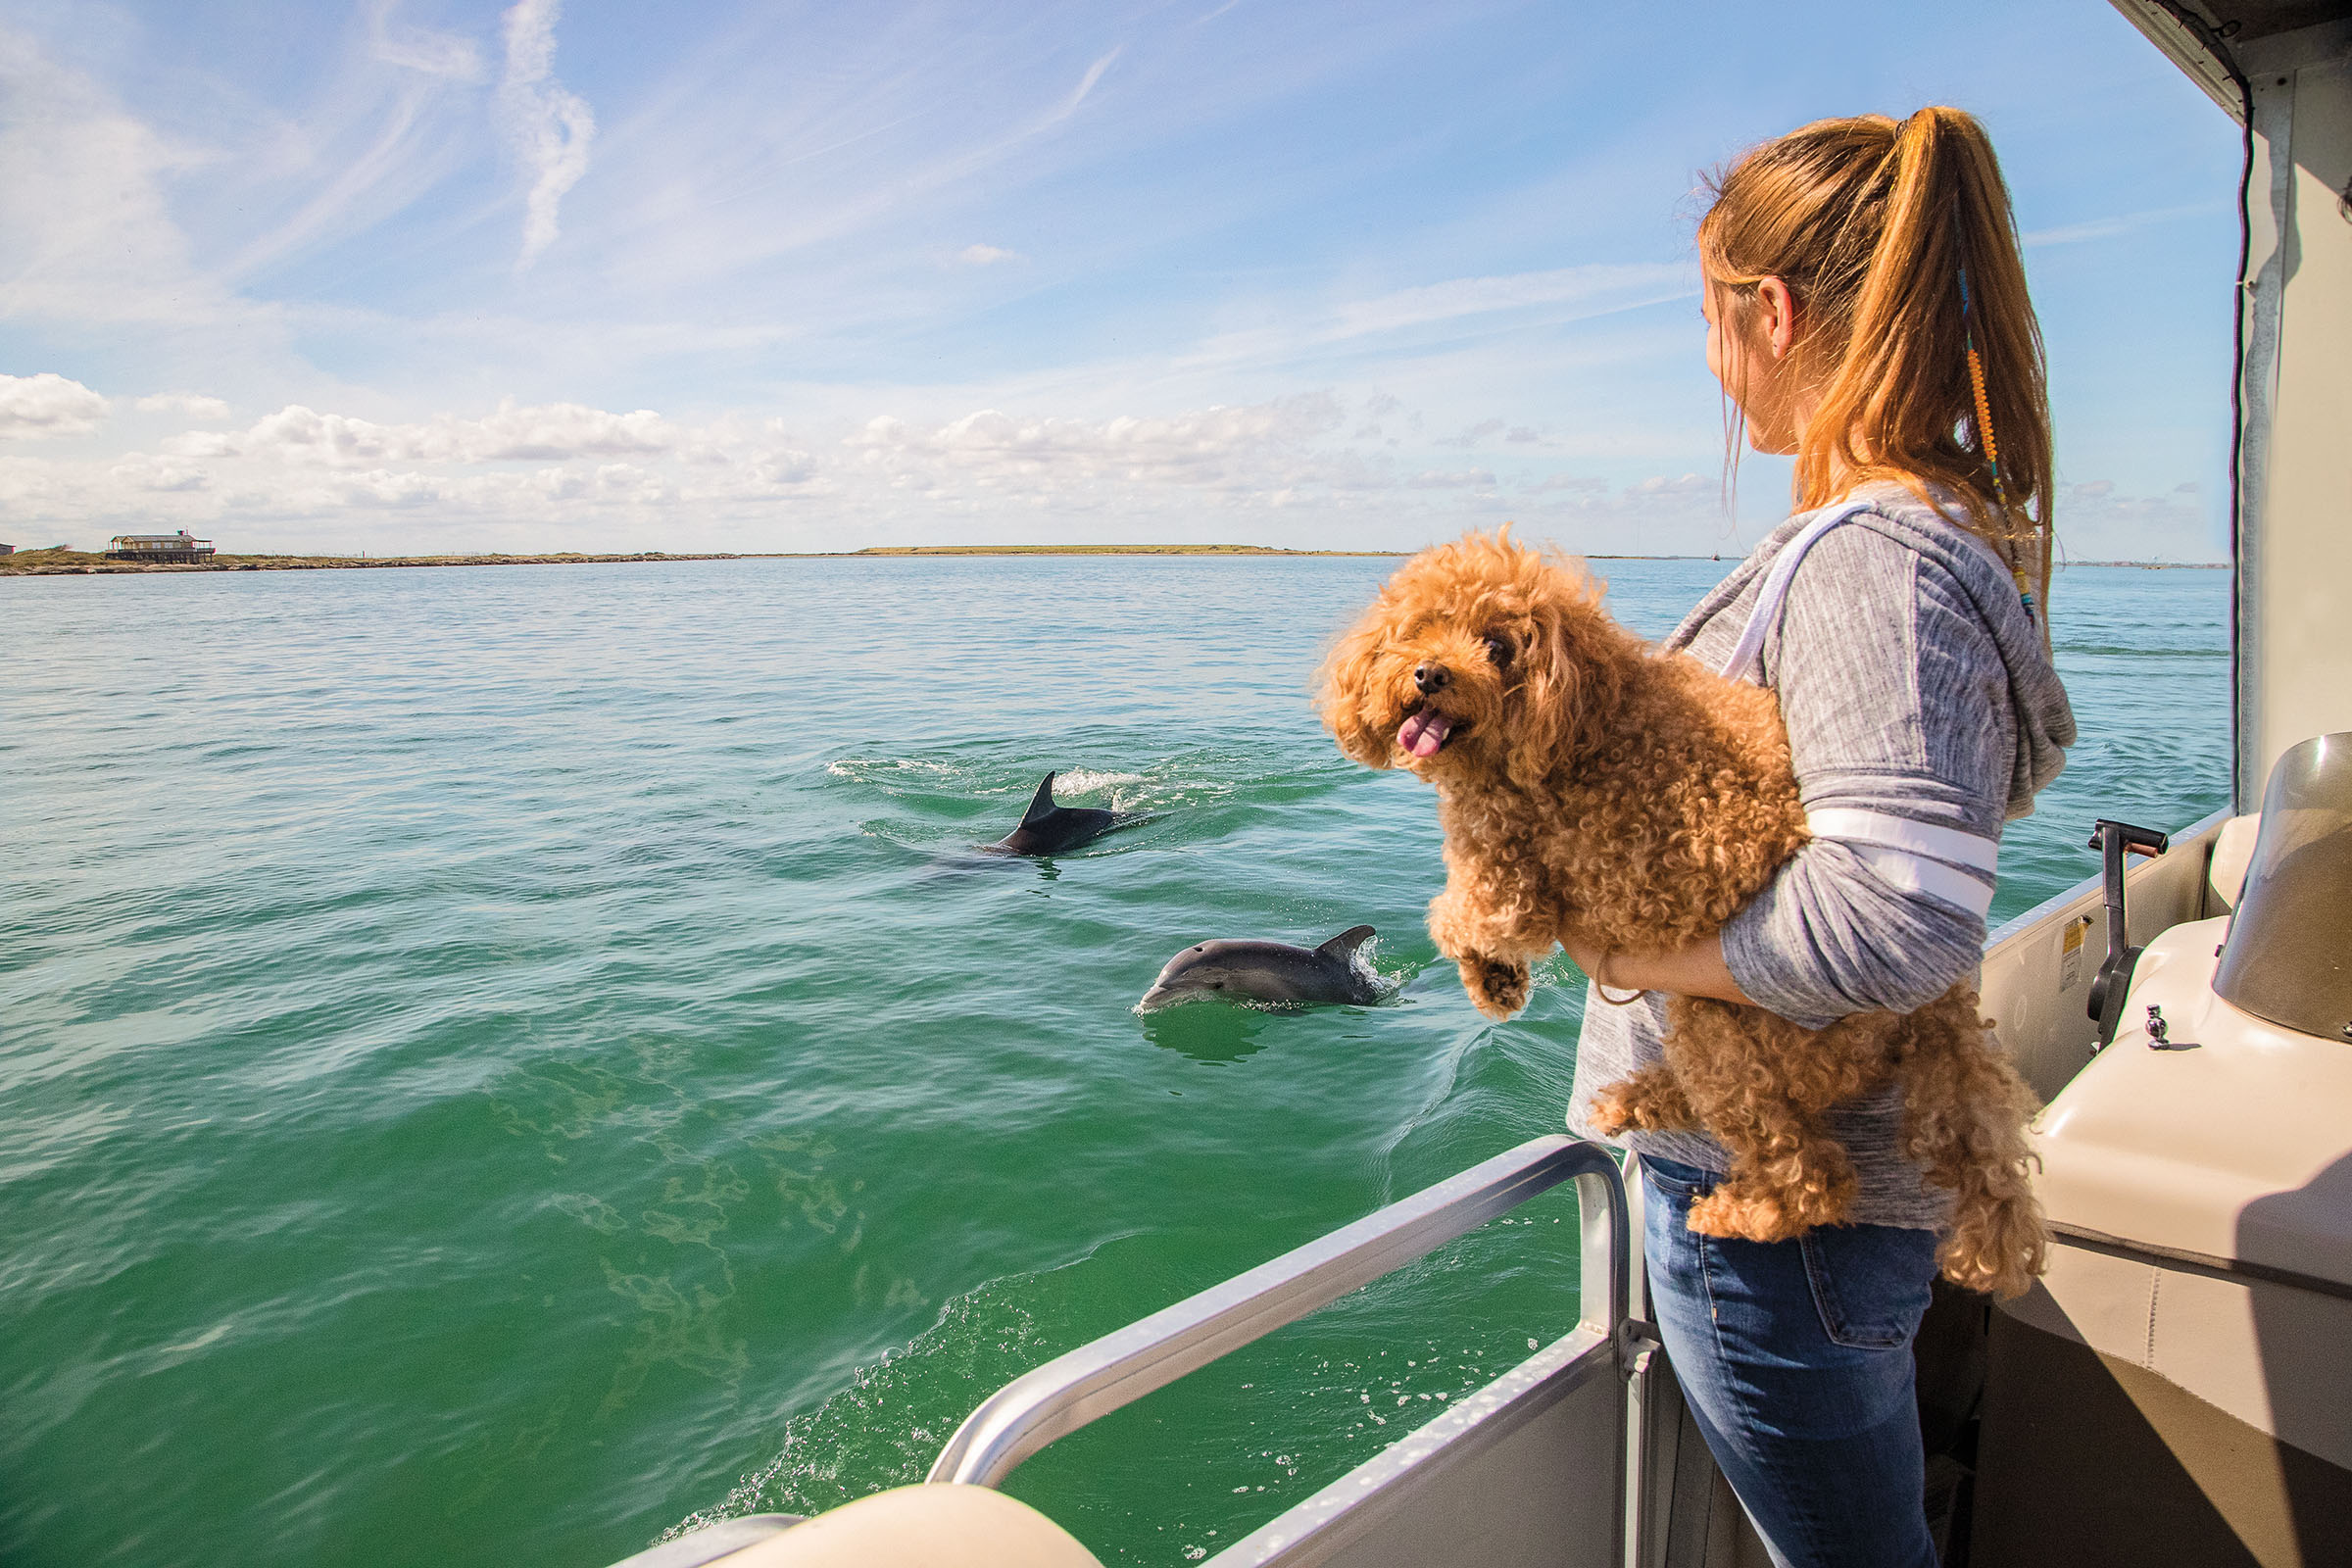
[[1430, 677]]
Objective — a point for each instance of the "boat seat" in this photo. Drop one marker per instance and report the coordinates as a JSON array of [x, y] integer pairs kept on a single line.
[[929, 1525], [2232, 850]]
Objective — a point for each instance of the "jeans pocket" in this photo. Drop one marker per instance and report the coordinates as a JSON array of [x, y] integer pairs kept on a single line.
[[1686, 1182], [1870, 1283]]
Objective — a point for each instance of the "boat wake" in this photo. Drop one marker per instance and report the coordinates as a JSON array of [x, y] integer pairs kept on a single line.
[[947, 803], [886, 1426]]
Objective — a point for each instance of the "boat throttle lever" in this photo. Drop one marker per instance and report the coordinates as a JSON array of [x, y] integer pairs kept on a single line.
[[2113, 840]]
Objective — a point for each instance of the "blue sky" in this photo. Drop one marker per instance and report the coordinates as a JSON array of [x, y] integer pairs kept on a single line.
[[418, 274]]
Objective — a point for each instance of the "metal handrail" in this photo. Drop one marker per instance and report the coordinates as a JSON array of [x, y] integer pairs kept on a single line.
[[1071, 1391]]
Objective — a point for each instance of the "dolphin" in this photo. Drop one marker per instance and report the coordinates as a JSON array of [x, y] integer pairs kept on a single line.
[[1267, 971], [1047, 828]]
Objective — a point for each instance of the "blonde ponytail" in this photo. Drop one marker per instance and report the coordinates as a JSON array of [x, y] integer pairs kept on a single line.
[[1877, 227]]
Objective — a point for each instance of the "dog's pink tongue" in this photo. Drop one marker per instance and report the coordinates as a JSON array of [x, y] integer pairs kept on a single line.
[[1424, 732]]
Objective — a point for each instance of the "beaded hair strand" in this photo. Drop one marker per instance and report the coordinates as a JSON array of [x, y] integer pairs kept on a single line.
[[1872, 222], [1984, 435]]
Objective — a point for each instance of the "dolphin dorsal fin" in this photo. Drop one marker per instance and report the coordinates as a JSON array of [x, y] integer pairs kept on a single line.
[[1040, 804], [1343, 944]]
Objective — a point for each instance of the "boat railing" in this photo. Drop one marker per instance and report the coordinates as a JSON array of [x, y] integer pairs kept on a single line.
[[1531, 1469], [1088, 1383], [1095, 1379]]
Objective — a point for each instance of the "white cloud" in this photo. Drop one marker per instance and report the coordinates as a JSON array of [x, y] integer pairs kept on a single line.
[[142, 471], [548, 127], [1477, 435], [34, 408], [303, 436], [195, 405], [85, 233], [380, 488], [1266, 445], [1085, 85], [1287, 471], [986, 255], [642, 480], [1614, 286], [1558, 295], [436, 54], [2097, 520], [90, 199], [2112, 228], [568, 476]]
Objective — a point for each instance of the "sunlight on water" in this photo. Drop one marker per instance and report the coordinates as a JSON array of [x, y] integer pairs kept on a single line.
[[502, 1062]]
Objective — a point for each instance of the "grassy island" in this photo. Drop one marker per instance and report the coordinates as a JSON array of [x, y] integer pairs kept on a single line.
[[59, 560], [1102, 550]]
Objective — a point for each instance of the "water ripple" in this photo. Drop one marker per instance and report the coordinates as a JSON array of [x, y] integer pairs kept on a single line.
[[500, 1062]]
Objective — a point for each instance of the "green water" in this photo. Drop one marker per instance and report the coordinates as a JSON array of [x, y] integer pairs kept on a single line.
[[500, 1062]]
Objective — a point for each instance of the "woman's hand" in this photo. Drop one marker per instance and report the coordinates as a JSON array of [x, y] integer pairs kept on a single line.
[[1697, 970]]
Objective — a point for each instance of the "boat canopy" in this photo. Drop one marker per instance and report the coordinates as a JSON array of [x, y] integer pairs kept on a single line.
[[2282, 69]]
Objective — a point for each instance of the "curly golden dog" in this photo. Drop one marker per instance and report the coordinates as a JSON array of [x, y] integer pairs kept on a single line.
[[1593, 790]]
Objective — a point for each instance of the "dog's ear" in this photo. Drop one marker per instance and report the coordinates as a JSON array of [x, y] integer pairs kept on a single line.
[[1570, 675], [1550, 693], [1343, 697]]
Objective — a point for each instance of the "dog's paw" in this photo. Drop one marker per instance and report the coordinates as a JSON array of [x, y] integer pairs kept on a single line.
[[1497, 989], [1651, 1100], [1736, 1214], [1608, 1115], [1753, 1211]]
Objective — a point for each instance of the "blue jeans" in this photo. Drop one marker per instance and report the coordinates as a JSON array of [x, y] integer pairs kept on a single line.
[[1795, 1358]]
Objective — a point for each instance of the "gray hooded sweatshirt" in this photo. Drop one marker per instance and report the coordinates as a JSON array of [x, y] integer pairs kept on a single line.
[[1914, 684]]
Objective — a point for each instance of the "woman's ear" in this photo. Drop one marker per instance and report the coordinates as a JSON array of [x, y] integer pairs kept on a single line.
[[1343, 697], [1775, 321]]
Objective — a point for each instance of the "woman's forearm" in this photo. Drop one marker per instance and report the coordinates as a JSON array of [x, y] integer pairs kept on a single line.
[[1697, 970]]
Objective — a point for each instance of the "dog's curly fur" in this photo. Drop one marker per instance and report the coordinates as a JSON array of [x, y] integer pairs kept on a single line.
[[1594, 791]]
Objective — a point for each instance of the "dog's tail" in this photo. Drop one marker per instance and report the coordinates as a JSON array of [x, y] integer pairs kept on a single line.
[[1965, 1110]]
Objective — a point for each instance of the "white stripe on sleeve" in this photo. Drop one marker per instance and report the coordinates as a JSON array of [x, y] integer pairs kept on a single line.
[[1916, 873], [1859, 826]]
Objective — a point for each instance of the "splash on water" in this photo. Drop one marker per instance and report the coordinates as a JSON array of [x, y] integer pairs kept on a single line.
[[1086, 781], [887, 1425]]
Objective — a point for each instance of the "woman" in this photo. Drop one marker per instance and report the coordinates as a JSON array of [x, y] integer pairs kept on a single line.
[[1866, 311]]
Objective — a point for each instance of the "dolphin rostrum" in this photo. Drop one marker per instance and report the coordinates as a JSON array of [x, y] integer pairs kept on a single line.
[[1047, 828], [1267, 971]]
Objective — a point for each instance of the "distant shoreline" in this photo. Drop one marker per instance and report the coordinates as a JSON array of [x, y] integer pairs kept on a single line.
[[54, 563], [80, 562], [1083, 550], [84, 563]]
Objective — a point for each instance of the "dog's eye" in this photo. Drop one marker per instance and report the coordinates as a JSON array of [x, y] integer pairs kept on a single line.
[[1499, 649]]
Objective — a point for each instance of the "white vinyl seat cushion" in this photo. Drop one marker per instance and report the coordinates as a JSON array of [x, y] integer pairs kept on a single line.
[[2232, 850], [930, 1526]]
